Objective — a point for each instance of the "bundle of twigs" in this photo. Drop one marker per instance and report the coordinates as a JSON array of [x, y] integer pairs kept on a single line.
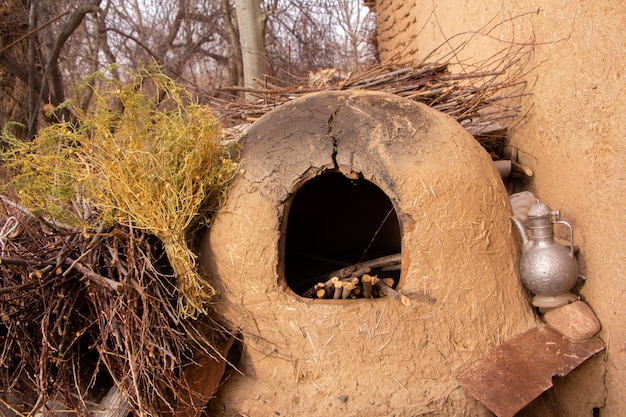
[[81, 312], [481, 96]]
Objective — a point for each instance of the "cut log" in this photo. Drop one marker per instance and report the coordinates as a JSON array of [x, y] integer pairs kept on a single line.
[[338, 290], [347, 288], [521, 170], [387, 290], [314, 289], [331, 282], [366, 280], [390, 262]]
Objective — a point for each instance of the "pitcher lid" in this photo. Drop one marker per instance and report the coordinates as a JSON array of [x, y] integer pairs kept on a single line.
[[539, 210]]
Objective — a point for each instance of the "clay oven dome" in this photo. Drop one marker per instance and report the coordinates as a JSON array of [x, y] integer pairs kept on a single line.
[[339, 177]]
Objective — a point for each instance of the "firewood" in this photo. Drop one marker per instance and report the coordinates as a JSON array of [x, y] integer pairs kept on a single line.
[[366, 280], [347, 290], [504, 167], [314, 289], [331, 282], [338, 290], [391, 262], [320, 293], [389, 281], [521, 170], [395, 294]]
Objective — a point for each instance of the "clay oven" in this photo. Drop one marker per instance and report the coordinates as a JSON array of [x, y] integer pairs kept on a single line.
[[338, 178]]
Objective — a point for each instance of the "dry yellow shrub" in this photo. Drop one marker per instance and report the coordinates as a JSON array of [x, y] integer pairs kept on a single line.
[[146, 155]]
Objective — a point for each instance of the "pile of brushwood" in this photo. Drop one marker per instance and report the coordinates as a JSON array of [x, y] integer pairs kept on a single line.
[[100, 288], [102, 309], [91, 316], [484, 97]]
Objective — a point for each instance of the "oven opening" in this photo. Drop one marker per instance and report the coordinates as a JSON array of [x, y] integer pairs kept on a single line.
[[344, 230]]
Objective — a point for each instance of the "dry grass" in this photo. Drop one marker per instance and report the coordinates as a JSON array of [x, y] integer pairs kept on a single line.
[[146, 155]]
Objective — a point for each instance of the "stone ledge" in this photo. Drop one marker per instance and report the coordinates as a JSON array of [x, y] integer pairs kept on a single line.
[[576, 321]]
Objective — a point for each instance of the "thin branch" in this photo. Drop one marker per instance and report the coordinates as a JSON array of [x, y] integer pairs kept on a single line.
[[32, 32]]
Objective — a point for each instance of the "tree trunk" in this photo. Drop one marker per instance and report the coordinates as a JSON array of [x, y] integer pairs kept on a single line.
[[235, 65], [249, 20]]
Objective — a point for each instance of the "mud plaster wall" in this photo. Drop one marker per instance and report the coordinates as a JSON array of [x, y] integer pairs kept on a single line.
[[572, 137], [367, 357]]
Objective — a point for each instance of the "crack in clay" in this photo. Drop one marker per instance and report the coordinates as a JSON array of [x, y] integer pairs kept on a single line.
[[330, 135]]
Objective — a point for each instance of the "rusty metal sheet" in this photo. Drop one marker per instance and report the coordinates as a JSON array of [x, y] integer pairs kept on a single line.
[[518, 371]]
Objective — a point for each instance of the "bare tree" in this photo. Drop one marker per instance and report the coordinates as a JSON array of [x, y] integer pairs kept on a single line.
[[299, 39], [47, 47], [252, 41], [305, 36], [356, 22], [39, 66], [235, 60]]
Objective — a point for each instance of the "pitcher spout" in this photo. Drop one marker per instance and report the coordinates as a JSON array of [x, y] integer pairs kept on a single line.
[[519, 225]]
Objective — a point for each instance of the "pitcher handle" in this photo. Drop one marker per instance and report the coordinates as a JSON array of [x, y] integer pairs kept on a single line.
[[571, 236]]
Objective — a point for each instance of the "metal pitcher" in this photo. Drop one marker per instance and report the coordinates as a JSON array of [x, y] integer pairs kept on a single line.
[[547, 269]]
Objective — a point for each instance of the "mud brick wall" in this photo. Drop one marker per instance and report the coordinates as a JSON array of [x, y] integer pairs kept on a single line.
[[571, 135]]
